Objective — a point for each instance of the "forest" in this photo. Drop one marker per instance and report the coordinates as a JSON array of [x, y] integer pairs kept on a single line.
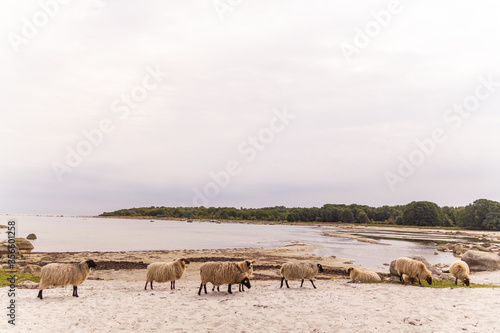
[[482, 214]]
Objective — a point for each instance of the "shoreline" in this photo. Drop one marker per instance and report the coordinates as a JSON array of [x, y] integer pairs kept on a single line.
[[113, 298]]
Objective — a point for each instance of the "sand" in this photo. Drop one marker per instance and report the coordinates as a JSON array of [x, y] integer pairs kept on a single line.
[[114, 300]]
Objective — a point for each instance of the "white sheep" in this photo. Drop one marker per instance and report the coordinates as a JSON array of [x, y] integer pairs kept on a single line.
[[219, 273], [460, 270], [247, 267], [165, 271], [413, 269], [363, 275], [60, 275], [299, 271]]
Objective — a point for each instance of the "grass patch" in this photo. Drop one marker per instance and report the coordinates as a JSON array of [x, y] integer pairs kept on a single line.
[[6, 274]]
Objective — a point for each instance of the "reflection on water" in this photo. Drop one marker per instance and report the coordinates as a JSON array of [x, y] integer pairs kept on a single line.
[[75, 234]]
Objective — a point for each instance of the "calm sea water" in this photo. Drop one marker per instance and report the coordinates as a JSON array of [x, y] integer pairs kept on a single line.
[[75, 234]]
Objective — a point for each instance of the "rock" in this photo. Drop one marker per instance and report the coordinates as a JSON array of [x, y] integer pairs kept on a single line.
[[27, 285], [24, 245], [442, 248], [32, 269], [481, 261], [6, 247], [31, 237]]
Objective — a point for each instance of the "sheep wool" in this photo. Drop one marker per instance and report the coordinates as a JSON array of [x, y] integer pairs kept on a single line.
[[460, 271], [60, 275], [413, 269], [358, 275], [219, 273], [166, 271], [299, 271]]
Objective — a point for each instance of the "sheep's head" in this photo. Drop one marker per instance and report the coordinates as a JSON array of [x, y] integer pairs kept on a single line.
[[249, 263], [186, 261], [320, 268], [429, 280], [246, 283], [349, 270], [466, 281], [91, 263]]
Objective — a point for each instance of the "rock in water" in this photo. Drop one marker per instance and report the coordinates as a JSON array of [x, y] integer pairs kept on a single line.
[[481, 261]]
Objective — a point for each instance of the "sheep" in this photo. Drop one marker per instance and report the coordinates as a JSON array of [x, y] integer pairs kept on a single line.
[[60, 275], [460, 270], [246, 266], [362, 276], [219, 273], [413, 269], [165, 271], [299, 271]]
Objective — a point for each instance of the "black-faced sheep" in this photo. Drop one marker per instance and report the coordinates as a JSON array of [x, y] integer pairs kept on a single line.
[[460, 270], [166, 271], [60, 275], [247, 267], [358, 275], [219, 273], [299, 271], [413, 269]]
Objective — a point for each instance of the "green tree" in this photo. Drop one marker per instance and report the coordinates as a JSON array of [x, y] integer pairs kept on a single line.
[[346, 216], [423, 213], [482, 214]]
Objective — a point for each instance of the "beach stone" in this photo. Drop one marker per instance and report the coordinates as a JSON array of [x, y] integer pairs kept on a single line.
[[27, 285], [481, 261], [24, 245], [4, 249], [32, 269], [31, 237], [442, 248]]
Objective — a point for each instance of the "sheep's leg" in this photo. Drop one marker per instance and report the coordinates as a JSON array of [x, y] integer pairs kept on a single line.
[[282, 282], [75, 291], [151, 285], [172, 285], [286, 281], [312, 283], [301, 283], [401, 278], [201, 286], [146, 286], [420, 283], [456, 281], [229, 289], [241, 287], [40, 294]]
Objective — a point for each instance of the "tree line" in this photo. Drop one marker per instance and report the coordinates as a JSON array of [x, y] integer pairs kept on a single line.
[[482, 214]]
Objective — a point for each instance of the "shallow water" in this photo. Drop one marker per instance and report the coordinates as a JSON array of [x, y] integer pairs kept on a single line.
[[75, 234]]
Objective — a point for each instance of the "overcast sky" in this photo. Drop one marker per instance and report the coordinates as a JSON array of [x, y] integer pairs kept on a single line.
[[118, 104]]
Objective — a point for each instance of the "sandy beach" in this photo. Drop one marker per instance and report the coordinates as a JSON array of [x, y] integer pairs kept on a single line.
[[113, 299]]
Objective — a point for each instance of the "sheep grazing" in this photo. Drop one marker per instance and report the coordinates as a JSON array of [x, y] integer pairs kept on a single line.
[[60, 275], [299, 271], [413, 269], [247, 267], [165, 271], [358, 275], [460, 270], [219, 273]]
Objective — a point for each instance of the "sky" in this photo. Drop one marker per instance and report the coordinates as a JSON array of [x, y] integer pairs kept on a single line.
[[119, 104]]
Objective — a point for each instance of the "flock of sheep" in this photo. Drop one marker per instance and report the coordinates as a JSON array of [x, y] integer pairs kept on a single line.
[[230, 273]]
